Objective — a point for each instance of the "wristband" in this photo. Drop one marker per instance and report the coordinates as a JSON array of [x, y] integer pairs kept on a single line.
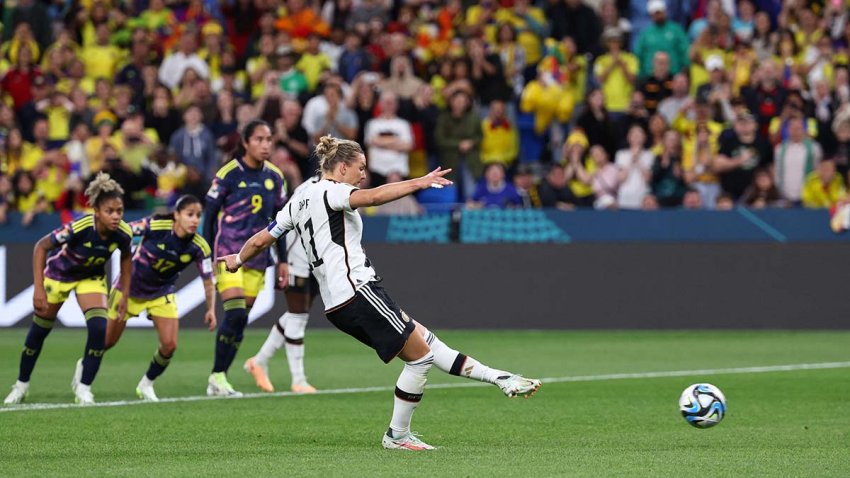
[[238, 259]]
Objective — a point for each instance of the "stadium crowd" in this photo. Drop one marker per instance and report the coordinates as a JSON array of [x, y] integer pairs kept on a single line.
[[555, 103]]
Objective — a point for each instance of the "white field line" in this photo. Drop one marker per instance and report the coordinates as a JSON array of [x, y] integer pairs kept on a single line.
[[338, 391]]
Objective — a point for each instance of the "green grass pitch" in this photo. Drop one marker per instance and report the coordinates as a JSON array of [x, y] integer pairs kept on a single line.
[[788, 423]]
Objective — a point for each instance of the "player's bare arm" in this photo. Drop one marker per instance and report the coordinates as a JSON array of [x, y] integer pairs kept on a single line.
[[391, 192], [255, 245]]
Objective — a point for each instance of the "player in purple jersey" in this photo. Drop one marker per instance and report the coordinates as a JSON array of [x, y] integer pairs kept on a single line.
[[243, 197], [169, 244], [331, 229], [73, 258]]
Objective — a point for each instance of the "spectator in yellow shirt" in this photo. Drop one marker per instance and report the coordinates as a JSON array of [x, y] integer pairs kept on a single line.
[[27, 199], [616, 71], [823, 188], [104, 126], [500, 142], [34, 153], [101, 59], [16, 153], [58, 110], [531, 25], [258, 66], [22, 36], [159, 18], [313, 62]]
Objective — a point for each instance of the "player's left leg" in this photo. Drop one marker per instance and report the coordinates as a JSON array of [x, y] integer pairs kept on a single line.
[[233, 288], [409, 389], [455, 363], [93, 305], [167, 328]]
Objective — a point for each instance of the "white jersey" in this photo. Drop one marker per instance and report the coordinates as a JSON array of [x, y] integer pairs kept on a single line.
[[296, 255], [330, 231]]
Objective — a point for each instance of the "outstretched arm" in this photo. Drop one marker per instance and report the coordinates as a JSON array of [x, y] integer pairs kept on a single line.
[[391, 192], [255, 245]]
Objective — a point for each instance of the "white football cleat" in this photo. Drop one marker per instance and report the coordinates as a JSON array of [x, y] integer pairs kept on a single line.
[[409, 442], [83, 395], [218, 386], [513, 385], [78, 375], [18, 393], [144, 390]]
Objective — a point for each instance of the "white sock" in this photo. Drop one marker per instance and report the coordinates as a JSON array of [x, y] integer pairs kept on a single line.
[[81, 387], [408, 394], [146, 382], [273, 343], [19, 384], [294, 329], [455, 363]]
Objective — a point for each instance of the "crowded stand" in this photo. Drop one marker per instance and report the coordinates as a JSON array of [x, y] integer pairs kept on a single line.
[[628, 105]]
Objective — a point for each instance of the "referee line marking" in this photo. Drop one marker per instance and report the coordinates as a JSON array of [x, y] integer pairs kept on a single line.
[[467, 384]]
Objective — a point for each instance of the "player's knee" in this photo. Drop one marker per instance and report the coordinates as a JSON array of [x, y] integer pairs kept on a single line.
[[295, 327], [168, 347], [96, 321]]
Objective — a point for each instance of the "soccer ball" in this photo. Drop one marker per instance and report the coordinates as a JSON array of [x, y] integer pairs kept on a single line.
[[703, 405]]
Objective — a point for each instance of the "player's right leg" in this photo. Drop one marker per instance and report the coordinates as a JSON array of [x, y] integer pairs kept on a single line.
[[42, 324], [167, 328], [455, 363]]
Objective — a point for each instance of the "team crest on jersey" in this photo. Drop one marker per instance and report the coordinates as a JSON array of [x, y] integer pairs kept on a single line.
[[64, 234], [404, 316], [112, 247], [214, 190], [269, 184], [87, 244], [242, 184], [185, 258]]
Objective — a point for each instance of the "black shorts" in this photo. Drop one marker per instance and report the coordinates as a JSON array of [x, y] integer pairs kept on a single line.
[[374, 319], [303, 285]]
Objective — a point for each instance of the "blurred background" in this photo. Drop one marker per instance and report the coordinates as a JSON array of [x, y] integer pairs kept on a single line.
[[617, 164]]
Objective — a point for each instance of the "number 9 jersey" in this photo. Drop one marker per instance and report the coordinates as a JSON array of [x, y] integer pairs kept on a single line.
[[240, 203]]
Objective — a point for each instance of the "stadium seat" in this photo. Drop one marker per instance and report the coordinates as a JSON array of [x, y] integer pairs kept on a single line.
[[512, 225], [426, 228]]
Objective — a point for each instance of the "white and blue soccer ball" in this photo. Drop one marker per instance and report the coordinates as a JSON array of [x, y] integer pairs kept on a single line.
[[703, 405]]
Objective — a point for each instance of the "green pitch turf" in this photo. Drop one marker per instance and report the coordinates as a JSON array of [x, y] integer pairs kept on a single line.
[[790, 423]]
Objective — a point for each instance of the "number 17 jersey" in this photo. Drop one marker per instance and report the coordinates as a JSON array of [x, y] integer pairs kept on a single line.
[[330, 231]]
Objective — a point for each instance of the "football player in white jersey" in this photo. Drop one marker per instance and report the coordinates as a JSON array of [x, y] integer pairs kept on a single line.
[[330, 228], [289, 329]]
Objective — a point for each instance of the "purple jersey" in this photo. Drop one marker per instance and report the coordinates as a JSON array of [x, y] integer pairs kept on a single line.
[[162, 255], [247, 200], [79, 251]]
